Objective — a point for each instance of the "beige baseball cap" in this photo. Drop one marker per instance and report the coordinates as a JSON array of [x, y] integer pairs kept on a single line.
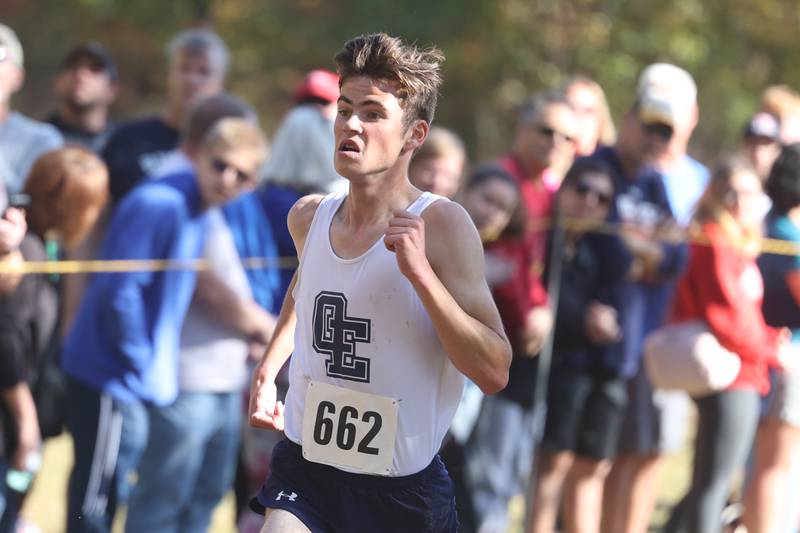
[[665, 78], [10, 47]]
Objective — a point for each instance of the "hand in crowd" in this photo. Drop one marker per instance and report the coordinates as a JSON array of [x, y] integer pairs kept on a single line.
[[10, 280], [256, 351], [647, 256], [30, 442], [601, 323], [265, 326], [12, 230], [538, 326]]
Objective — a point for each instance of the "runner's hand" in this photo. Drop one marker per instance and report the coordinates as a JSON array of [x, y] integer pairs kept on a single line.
[[265, 411], [406, 238]]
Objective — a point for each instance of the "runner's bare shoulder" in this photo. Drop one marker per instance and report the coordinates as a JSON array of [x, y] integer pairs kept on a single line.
[[300, 217]]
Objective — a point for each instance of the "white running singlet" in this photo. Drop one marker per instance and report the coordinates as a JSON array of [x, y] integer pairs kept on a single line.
[[362, 329]]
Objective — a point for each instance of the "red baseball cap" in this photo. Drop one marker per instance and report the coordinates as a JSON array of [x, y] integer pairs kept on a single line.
[[318, 84]]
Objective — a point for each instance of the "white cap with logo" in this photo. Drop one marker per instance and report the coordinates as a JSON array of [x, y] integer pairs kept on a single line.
[[664, 93]]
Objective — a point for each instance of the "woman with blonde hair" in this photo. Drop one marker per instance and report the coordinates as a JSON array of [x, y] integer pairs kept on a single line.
[[723, 288], [588, 101]]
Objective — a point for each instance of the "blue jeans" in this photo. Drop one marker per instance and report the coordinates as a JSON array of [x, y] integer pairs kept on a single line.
[[188, 465], [499, 456], [109, 436]]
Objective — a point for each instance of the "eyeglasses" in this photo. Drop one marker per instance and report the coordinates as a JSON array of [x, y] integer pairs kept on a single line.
[[547, 131], [221, 167], [586, 190]]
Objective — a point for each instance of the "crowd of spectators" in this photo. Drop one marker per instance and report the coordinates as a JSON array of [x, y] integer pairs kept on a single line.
[[146, 364]]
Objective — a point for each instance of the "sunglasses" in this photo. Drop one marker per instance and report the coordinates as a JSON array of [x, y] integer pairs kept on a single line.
[[585, 190], [661, 131], [547, 131], [221, 167]]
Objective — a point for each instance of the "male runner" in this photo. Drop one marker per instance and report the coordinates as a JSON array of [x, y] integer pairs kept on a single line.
[[388, 311]]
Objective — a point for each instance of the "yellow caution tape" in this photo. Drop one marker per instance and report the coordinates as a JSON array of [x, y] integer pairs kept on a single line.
[[674, 236]]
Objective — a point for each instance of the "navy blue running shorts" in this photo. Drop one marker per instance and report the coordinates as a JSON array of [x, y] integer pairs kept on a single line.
[[329, 500]]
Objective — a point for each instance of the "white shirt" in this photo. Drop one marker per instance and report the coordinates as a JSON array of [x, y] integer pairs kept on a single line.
[[376, 338]]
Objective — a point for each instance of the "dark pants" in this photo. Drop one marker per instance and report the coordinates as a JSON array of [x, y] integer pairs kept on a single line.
[[109, 436]]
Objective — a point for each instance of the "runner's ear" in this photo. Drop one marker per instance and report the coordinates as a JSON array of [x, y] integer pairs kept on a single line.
[[416, 134]]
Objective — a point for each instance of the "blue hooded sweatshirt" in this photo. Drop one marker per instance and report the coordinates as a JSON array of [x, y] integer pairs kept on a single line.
[[125, 337]]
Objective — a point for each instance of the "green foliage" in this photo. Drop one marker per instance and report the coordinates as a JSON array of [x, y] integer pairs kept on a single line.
[[498, 51]]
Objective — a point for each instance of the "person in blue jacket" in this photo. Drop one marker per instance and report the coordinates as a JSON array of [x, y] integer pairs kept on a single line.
[[122, 351]]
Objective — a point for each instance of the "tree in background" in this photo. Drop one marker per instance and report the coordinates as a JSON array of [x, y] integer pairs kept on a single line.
[[498, 51]]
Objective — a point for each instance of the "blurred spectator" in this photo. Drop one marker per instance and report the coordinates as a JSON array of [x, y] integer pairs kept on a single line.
[[301, 158], [761, 142], [190, 457], [783, 102], [12, 230], [67, 188], [595, 125], [438, 165], [655, 421], [543, 143], [121, 354], [500, 452], [723, 288], [198, 63], [586, 403], [684, 178], [85, 88], [770, 503], [22, 140], [490, 197]]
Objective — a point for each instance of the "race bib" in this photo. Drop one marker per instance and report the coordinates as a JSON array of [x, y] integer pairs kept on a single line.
[[350, 429]]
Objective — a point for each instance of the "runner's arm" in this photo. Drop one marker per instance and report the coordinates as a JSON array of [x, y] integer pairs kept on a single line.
[[441, 255], [265, 412]]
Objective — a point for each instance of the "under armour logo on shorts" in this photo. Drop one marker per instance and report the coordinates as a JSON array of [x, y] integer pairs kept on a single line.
[[292, 497]]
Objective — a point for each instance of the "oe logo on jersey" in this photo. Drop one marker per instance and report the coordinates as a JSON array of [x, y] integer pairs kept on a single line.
[[336, 335]]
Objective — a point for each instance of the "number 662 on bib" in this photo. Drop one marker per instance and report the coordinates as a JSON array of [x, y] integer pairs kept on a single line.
[[349, 429]]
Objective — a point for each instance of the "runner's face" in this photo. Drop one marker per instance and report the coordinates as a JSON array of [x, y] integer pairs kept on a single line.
[[370, 131]]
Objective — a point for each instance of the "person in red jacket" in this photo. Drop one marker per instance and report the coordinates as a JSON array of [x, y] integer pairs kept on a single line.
[[723, 287]]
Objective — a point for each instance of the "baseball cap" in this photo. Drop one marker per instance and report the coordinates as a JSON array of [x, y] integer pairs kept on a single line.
[[95, 51], [669, 79], [319, 84], [10, 46], [763, 125], [659, 107]]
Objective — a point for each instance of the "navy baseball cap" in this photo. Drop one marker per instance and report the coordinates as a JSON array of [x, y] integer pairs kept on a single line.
[[97, 53]]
